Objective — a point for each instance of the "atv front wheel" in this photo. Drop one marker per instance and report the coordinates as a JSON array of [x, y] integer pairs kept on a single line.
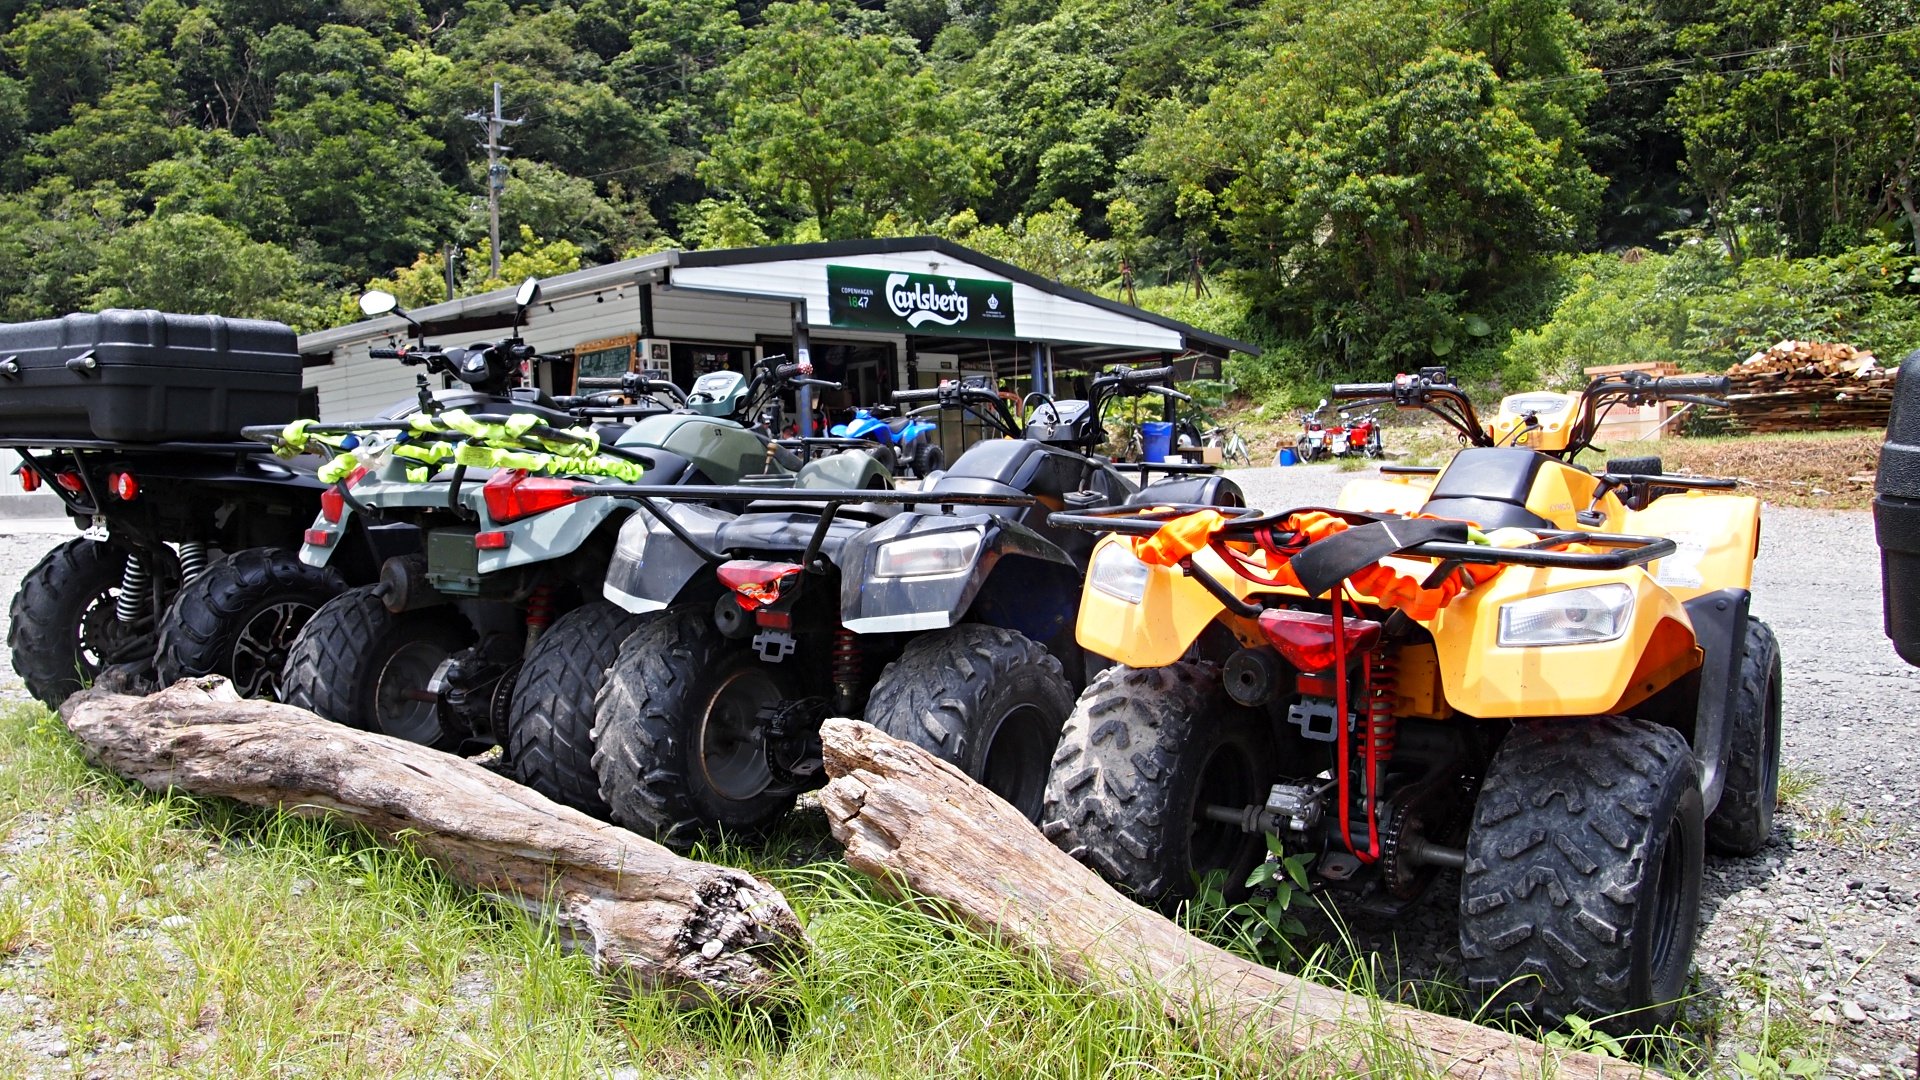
[[679, 731], [1142, 756], [1581, 894], [986, 699], [928, 459], [356, 663], [240, 617], [1742, 822], [550, 722], [63, 628]]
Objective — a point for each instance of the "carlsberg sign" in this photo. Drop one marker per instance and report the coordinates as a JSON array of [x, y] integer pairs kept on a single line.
[[869, 299]]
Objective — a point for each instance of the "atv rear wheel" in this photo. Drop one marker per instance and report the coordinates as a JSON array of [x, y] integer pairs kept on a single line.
[[1581, 894], [678, 739], [356, 663], [240, 617], [928, 458], [1650, 465], [1742, 822], [986, 699], [62, 627], [550, 722], [1143, 754]]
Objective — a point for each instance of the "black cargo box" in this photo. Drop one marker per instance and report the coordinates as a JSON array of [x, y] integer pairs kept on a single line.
[[145, 376], [1896, 513]]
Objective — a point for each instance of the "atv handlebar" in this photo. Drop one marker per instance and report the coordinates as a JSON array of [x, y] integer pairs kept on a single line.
[[385, 354]]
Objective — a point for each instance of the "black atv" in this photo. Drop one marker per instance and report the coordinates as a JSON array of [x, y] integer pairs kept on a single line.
[[1896, 513], [944, 616], [130, 418]]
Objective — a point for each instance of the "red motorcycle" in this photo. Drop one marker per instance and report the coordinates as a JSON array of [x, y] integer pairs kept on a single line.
[[1361, 433]]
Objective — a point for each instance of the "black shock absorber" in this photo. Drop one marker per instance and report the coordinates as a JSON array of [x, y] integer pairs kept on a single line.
[[194, 556], [847, 665], [136, 588]]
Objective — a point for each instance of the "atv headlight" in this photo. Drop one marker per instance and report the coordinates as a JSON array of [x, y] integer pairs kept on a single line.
[[1117, 573], [928, 555], [1573, 617]]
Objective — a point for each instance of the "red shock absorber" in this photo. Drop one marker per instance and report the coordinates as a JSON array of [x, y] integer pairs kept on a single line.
[[1383, 692], [539, 612], [846, 669]]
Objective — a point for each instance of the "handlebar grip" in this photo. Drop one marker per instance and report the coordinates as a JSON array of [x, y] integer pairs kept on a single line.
[[905, 396], [1147, 376], [1362, 390], [385, 354], [1693, 384]]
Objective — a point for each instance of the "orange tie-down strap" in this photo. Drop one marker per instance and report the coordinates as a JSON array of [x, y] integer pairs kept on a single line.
[[1181, 537]]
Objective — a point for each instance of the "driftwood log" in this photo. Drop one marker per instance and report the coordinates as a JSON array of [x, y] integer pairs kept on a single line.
[[920, 825], [648, 917]]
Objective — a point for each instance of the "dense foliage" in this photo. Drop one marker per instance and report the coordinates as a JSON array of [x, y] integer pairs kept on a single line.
[[1368, 181]]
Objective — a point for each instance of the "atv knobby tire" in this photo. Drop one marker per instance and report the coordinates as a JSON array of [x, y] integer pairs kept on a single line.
[[240, 617], [550, 723], [1742, 822], [1581, 894], [62, 628], [355, 663], [1636, 466], [1142, 754], [984, 698], [928, 459], [658, 773]]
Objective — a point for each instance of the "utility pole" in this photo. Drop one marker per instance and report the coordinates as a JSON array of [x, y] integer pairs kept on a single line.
[[496, 171]]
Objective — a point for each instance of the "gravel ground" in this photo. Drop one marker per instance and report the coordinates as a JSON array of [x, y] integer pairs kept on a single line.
[[1827, 919]]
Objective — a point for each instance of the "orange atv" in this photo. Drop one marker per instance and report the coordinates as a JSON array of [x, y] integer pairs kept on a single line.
[[1542, 678]]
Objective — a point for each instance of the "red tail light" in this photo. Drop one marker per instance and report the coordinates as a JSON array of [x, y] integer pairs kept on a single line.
[[333, 505], [29, 479], [756, 581], [512, 495], [71, 481], [1305, 638], [124, 486]]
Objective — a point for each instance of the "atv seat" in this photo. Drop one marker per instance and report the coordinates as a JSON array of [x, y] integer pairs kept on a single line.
[[1017, 467], [1488, 485]]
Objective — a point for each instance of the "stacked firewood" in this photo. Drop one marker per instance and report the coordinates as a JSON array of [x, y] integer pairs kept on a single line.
[[1810, 386]]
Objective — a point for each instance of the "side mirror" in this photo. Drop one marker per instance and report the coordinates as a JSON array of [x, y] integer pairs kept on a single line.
[[1323, 403], [529, 292], [378, 302]]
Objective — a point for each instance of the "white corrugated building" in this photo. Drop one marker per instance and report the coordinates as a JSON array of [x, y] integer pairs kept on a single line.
[[876, 315]]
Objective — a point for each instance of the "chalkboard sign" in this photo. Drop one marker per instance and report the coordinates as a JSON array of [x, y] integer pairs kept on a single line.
[[606, 359]]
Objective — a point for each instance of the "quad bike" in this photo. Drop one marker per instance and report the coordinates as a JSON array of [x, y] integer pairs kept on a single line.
[[493, 632], [941, 615], [1896, 514], [907, 441], [131, 418], [1546, 680]]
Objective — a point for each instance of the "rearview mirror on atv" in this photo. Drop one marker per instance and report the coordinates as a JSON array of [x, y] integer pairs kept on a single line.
[[528, 293], [378, 302]]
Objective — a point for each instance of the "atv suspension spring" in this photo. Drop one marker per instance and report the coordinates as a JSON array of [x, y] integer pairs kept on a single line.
[[136, 588], [1383, 691], [847, 665], [539, 612], [194, 556]]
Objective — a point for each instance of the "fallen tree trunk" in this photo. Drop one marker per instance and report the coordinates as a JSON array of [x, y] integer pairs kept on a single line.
[[647, 916], [918, 823]]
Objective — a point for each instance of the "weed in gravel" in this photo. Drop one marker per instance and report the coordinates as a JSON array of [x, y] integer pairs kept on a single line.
[[1796, 783]]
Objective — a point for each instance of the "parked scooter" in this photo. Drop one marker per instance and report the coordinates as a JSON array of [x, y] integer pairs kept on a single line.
[[908, 443], [1312, 444], [959, 597]]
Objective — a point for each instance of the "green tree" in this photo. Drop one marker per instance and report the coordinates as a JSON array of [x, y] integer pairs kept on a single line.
[[844, 129], [194, 263]]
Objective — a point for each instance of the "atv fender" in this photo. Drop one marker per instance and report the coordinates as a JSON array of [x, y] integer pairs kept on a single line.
[[870, 604], [1201, 490], [548, 536], [651, 566], [848, 470], [1720, 626]]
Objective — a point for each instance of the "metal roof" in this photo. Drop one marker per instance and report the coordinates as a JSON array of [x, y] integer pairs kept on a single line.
[[660, 264]]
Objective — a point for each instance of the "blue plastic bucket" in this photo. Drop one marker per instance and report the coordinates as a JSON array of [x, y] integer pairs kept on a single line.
[[1156, 438], [1286, 455]]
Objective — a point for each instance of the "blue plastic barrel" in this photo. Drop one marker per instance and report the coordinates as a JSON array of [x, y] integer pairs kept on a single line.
[[1286, 455], [1156, 438]]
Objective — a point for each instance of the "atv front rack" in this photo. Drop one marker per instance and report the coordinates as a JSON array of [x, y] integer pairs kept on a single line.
[[831, 500]]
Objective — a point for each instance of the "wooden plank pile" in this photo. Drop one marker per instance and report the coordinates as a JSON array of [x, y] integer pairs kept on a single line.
[[1810, 386]]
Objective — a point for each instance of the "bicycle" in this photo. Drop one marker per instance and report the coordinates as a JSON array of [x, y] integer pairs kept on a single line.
[[1226, 438]]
